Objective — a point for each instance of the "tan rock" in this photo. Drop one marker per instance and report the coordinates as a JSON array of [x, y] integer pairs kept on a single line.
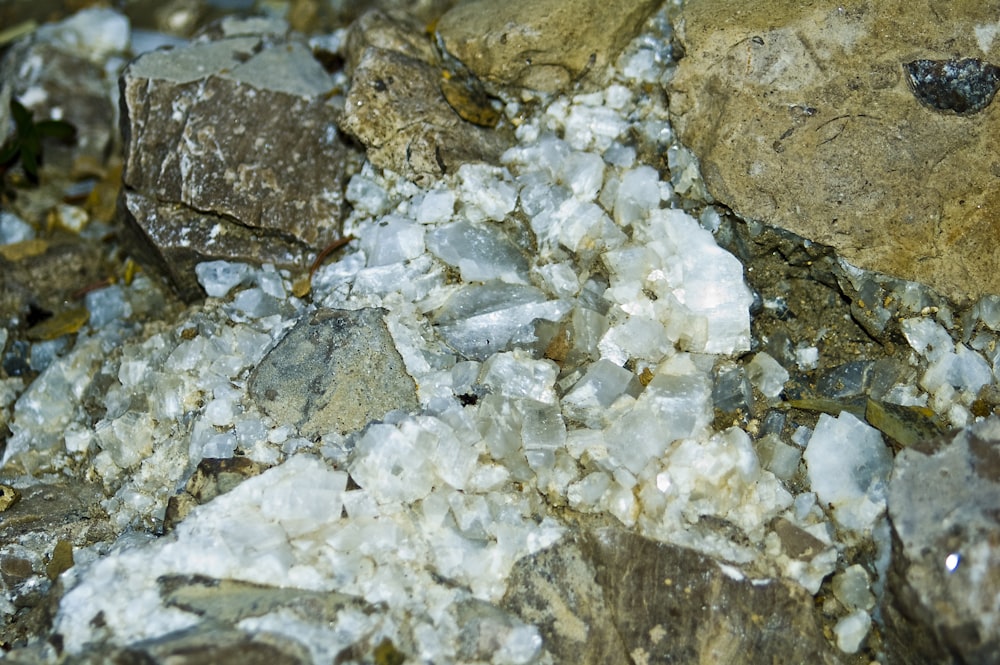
[[540, 44], [805, 116]]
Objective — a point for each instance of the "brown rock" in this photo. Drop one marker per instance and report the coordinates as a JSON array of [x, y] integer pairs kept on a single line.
[[613, 596], [232, 147], [811, 117], [395, 107], [543, 45]]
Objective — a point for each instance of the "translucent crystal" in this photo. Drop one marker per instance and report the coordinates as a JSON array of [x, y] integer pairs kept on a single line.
[[480, 252], [219, 277], [849, 466]]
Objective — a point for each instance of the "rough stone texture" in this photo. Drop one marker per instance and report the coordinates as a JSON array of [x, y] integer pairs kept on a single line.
[[944, 499], [544, 45], [397, 32], [585, 595], [336, 370], [172, 238], [806, 116], [30, 532], [395, 107], [555, 590], [235, 146]]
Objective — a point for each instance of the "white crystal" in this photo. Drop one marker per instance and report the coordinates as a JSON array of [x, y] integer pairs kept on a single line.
[[852, 630], [927, 337], [603, 383], [479, 320], [437, 206], [107, 305], [638, 194], [219, 277], [366, 195], [517, 375], [593, 127], [91, 33], [583, 172], [849, 466], [962, 369], [851, 588], [767, 375], [485, 192], [14, 229], [392, 240], [480, 252]]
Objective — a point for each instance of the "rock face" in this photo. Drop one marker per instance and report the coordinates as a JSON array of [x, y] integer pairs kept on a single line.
[[944, 583], [231, 152], [865, 126], [336, 370], [543, 45], [397, 109], [584, 597]]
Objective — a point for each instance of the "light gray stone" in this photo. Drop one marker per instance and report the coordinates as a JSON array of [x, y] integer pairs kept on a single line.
[[335, 371], [944, 582], [807, 116]]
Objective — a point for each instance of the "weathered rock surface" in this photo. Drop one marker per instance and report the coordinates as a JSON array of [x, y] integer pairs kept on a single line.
[[585, 594], [815, 118], [231, 152], [397, 109], [336, 370], [37, 537], [543, 45], [944, 583]]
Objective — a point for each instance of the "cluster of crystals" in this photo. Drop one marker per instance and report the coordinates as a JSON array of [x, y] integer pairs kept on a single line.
[[562, 318]]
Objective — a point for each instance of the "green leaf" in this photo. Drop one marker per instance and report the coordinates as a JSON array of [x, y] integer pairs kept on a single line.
[[22, 117], [57, 129], [9, 152], [29, 160]]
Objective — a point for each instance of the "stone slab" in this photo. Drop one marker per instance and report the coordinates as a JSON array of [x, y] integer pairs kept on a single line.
[[811, 117], [233, 138], [543, 45], [335, 371]]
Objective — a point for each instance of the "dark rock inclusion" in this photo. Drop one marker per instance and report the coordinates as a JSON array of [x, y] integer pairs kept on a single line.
[[963, 87]]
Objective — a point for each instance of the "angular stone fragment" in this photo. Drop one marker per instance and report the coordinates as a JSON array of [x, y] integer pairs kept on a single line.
[[235, 147], [616, 597], [396, 109], [543, 45], [335, 371], [867, 128], [944, 583], [399, 33]]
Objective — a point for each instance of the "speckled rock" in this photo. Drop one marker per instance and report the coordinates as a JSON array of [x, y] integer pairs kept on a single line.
[[397, 109], [585, 596], [944, 583], [64, 516], [234, 145], [335, 371], [543, 45], [856, 125]]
